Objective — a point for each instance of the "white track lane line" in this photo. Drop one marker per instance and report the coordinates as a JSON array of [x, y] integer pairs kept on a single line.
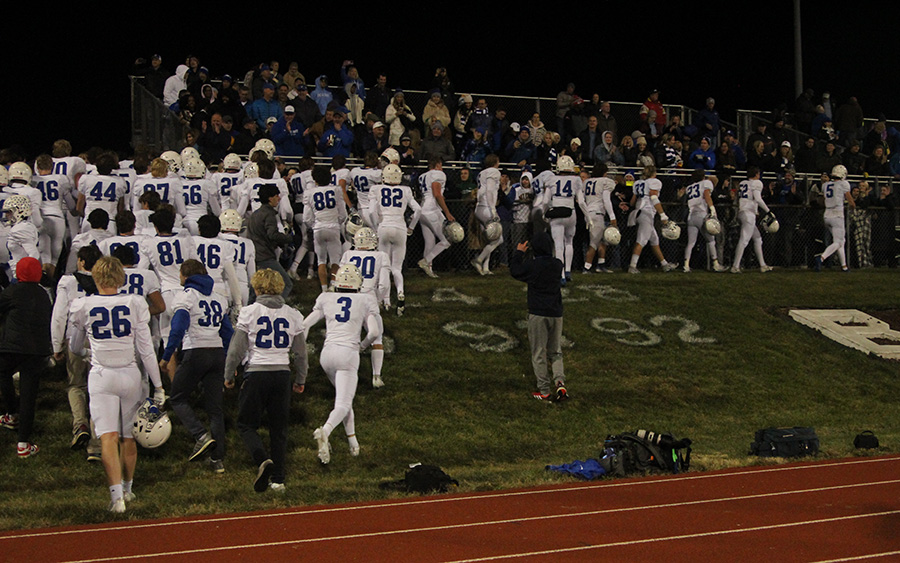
[[295, 512], [683, 537], [515, 520], [860, 557]]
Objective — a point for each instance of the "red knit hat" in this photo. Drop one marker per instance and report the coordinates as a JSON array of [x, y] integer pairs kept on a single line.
[[28, 270]]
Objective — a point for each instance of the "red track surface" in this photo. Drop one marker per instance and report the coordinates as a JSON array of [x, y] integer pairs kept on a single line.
[[837, 510]]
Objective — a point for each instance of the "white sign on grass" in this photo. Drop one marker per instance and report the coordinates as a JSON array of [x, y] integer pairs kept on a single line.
[[852, 328]]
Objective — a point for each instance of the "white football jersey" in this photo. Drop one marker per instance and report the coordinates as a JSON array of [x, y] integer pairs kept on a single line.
[[325, 205], [166, 254], [426, 182], [214, 253], [362, 180], [270, 332], [21, 242], [54, 188], [139, 281], [597, 196], [93, 236], [696, 199], [375, 267], [244, 256], [345, 315], [388, 203], [130, 176], [200, 197], [642, 189], [564, 191], [249, 197], [117, 326], [69, 166], [102, 192], [750, 196], [226, 182], [67, 291], [834, 197], [167, 188], [207, 313], [139, 244]]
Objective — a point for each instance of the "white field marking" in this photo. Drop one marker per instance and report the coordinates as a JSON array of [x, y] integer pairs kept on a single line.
[[650, 338], [609, 293], [538, 519], [683, 537], [687, 331], [481, 334], [860, 557], [449, 294], [644, 482]]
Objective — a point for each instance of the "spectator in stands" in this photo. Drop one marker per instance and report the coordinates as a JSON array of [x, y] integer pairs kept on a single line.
[[322, 95], [155, 75], [262, 76], [293, 77], [805, 110], [644, 156], [652, 104], [575, 151], [498, 131], [521, 150], [441, 82], [708, 120], [778, 133], [461, 120], [576, 118], [537, 128], [667, 155], [305, 108], [877, 164], [740, 158], [725, 160], [607, 152], [379, 97], [876, 136], [759, 158], [277, 77], [760, 134], [338, 139], [852, 159], [214, 141], [480, 116], [674, 128], [354, 105], [246, 137], [407, 151], [805, 160], [592, 107], [377, 140], [547, 153], [829, 159], [563, 102], [848, 121], [607, 121], [819, 121], [436, 111], [860, 223], [288, 134], [704, 157], [318, 128], [399, 117], [175, 84], [349, 74], [785, 158], [436, 145], [281, 94], [628, 150], [590, 138], [265, 107]]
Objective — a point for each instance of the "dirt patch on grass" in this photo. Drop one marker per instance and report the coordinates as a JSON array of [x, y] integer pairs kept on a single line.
[[890, 316]]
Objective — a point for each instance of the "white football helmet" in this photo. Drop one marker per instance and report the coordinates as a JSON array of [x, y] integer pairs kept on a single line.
[[187, 153], [267, 146], [354, 223], [770, 223], [392, 174], [151, 426], [19, 208], [251, 171], [454, 232], [348, 277], [671, 231], [194, 168], [493, 231], [174, 160], [4, 176], [565, 164], [391, 155], [232, 162], [712, 226], [20, 171], [231, 221], [365, 239], [612, 236], [839, 172]]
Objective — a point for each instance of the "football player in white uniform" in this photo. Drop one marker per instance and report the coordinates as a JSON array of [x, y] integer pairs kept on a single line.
[[434, 212], [71, 167], [249, 193], [201, 326], [215, 253], [645, 202], [836, 193], [326, 212], [244, 251], [140, 281], [23, 236], [55, 189], [102, 190], [266, 332], [118, 327], [345, 312], [20, 184], [486, 210], [227, 180], [597, 190], [560, 193], [362, 179], [387, 209], [125, 226], [750, 200], [700, 207], [164, 183], [98, 231], [300, 183], [376, 279], [200, 195]]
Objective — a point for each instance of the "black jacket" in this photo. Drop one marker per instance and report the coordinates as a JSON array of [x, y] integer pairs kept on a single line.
[[25, 312], [542, 274]]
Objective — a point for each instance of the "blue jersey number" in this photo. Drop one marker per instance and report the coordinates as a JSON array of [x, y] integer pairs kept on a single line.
[[110, 323], [272, 333]]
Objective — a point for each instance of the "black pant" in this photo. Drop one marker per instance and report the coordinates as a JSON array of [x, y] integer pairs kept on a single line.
[[30, 368], [201, 366], [268, 391]]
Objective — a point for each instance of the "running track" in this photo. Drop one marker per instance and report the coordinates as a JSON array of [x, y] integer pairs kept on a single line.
[[839, 510]]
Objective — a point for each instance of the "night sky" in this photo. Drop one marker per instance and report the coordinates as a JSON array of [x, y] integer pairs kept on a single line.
[[67, 76]]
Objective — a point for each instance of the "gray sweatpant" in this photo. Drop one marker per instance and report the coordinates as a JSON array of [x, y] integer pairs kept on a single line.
[[545, 334]]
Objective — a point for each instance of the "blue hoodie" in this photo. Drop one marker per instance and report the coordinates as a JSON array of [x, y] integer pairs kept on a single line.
[[181, 321], [321, 95]]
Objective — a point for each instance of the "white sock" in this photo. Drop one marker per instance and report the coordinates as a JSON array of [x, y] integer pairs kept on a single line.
[[377, 361], [634, 260], [115, 492], [354, 443]]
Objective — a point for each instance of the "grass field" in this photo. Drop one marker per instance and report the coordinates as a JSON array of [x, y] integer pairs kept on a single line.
[[710, 357]]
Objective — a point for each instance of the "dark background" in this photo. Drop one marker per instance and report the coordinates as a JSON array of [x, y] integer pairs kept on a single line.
[[65, 72]]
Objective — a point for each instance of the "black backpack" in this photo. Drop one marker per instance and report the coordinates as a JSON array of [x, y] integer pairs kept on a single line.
[[645, 453], [785, 442], [423, 478]]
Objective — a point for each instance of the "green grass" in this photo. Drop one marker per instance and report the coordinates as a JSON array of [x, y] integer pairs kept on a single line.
[[470, 411]]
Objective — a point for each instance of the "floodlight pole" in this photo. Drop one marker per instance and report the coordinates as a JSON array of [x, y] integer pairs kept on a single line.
[[798, 52]]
